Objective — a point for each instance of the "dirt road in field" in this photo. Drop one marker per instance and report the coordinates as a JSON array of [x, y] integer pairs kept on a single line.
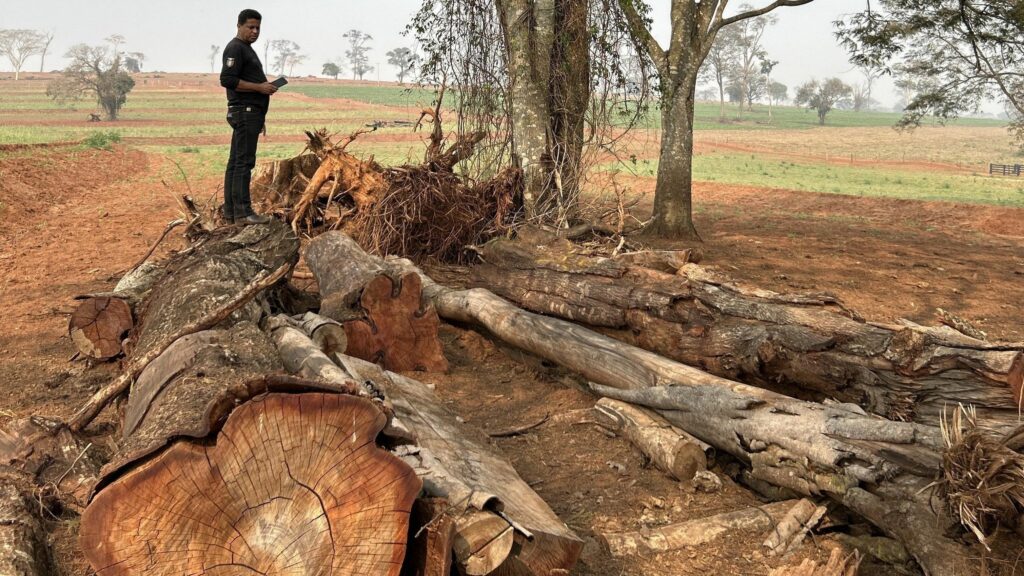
[[74, 219]]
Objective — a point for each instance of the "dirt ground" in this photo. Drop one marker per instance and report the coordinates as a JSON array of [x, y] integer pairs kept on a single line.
[[74, 220]]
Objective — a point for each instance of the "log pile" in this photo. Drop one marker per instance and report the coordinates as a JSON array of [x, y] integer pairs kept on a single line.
[[254, 443], [259, 438], [880, 469], [809, 345]]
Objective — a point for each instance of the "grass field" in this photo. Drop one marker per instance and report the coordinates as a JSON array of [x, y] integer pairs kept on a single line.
[[181, 117], [754, 170]]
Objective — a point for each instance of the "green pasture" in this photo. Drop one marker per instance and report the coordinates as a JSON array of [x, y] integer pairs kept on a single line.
[[378, 95], [180, 123], [753, 170]]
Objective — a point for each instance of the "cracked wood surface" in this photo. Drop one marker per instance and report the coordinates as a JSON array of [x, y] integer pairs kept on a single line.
[[293, 484]]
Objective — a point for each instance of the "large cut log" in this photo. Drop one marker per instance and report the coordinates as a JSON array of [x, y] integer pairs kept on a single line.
[[225, 467], [501, 525], [98, 325], [836, 449], [220, 281], [293, 483], [386, 319], [805, 342]]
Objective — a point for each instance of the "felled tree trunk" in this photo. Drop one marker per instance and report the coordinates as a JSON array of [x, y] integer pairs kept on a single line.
[[386, 319], [101, 321], [804, 343], [862, 461], [223, 469], [501, 525]]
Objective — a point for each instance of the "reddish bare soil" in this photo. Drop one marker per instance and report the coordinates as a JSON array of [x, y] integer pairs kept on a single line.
[[74, 220]]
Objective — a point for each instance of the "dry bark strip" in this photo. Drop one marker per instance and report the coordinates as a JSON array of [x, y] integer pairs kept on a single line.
[[839, 564], [201, 289], [23, 550], [807, 342], [670, 449], [455, 464], [695, 532], [790, 531], [869, 464], [431, 530]]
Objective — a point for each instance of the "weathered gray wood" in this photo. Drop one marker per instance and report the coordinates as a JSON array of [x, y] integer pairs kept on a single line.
[[695, 532], [453, 460], [23, 550], [340, 282], [808, 342], [805, 446], [670, 449]]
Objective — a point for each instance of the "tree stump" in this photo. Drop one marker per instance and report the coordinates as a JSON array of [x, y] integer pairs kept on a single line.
[[98, 325], [293, 484]]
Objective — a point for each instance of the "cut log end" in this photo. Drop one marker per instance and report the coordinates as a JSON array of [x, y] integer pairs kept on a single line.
[[293, 484], [398, 332], [98, 325]]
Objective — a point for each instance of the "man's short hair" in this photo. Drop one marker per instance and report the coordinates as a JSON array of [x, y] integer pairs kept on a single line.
[[248, 14]]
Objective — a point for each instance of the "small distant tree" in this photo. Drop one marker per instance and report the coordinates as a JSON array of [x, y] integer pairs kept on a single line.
[[358, 52], [294, 60], [44, 50], [860, 97], [823, 96], [403, 59], [284, 52], [214, 52], [718, 64], [97, 71], [331, 69], [19, 45], [115, 41], [777, 92], [746, 70]]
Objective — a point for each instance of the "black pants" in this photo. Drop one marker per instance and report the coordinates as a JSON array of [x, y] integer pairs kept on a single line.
[[246, 123]]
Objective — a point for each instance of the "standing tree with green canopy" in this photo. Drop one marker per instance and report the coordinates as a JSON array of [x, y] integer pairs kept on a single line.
[[695, 25], [823, 96], [95, 70], [957, 54], [404, 60]]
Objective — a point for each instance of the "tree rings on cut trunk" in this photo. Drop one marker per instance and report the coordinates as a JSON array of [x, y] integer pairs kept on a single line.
[[98, 325], [399, 332], [294, 484]]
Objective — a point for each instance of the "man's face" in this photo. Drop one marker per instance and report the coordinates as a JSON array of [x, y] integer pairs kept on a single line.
[[249, 31]]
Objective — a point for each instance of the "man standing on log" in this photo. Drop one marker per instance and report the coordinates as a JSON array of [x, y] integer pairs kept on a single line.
[[248, 99]]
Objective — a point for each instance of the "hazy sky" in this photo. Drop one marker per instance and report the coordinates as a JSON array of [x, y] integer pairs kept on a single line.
[[176, 35]]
